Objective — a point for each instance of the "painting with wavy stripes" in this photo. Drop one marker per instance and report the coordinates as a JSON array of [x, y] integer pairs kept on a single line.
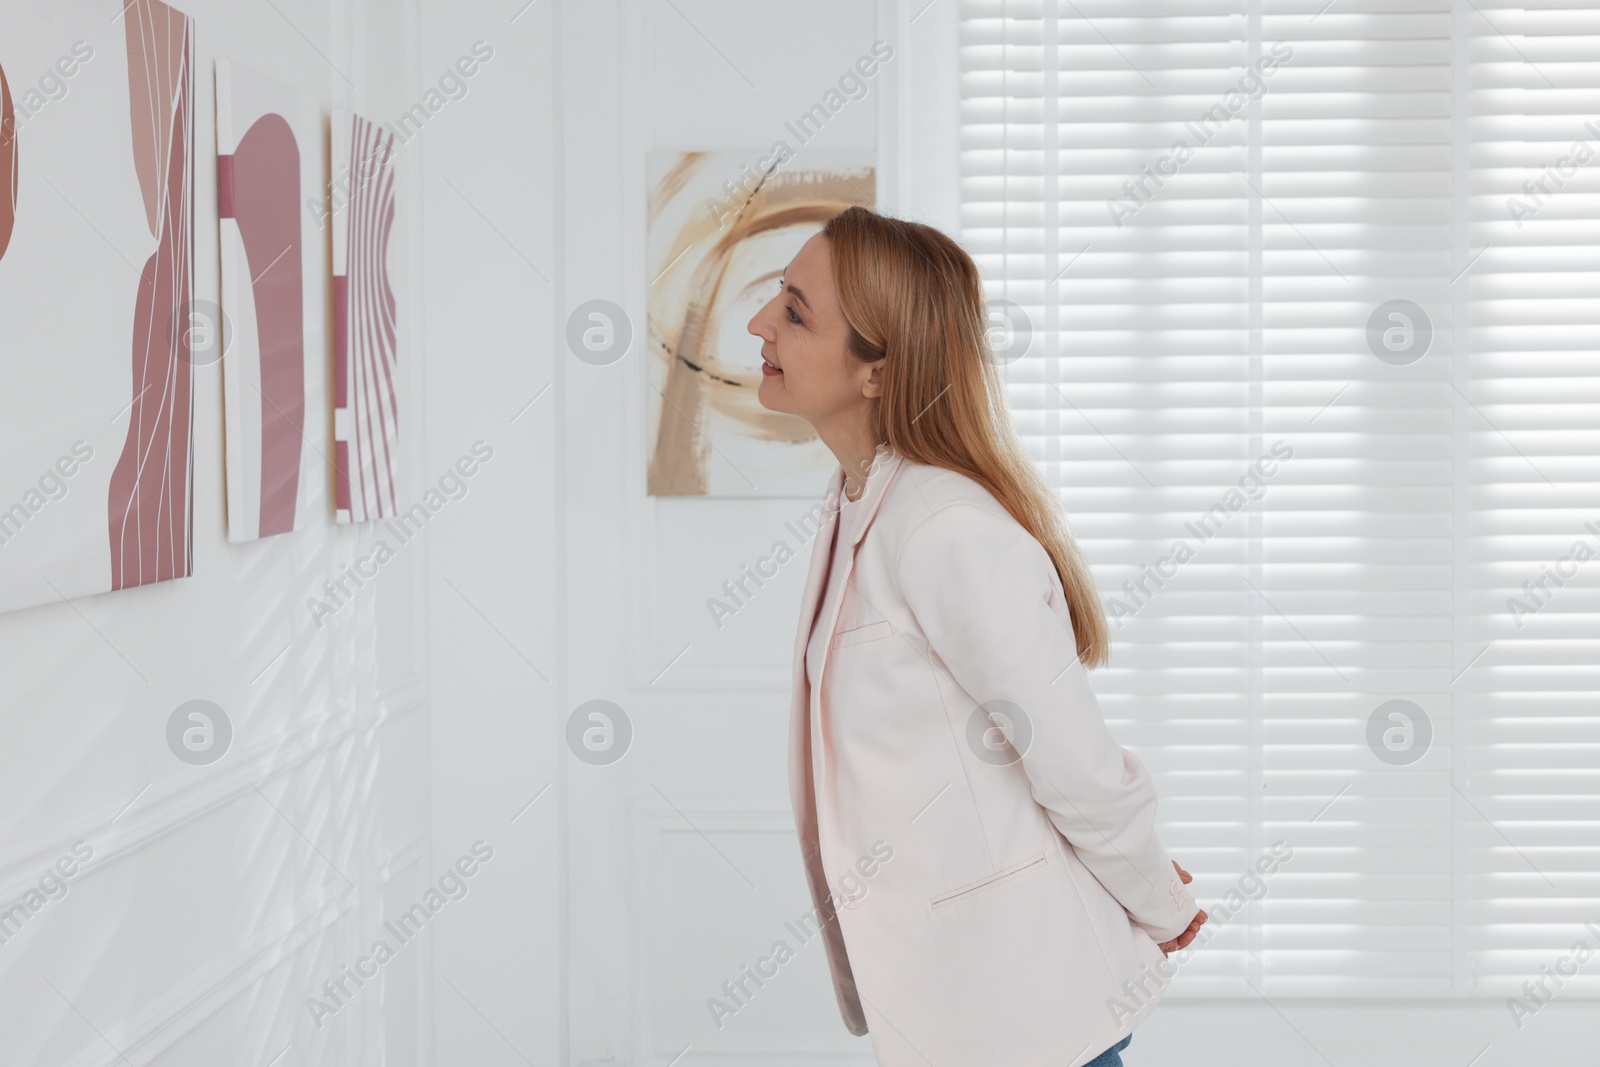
[[96, 279], [263, 301], [722, 226], [365, 432]]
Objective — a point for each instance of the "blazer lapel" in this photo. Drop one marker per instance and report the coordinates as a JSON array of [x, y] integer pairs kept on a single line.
[[869, 508], [800, 791], [817, 575], [806, 698]]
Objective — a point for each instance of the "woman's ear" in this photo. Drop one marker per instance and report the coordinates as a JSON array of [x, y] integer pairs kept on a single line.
[[873, 386]]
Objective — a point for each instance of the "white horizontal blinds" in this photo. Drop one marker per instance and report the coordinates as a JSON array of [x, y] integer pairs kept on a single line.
[[1355, 191], [1275, 285], [1135, 395], [1534, 764]]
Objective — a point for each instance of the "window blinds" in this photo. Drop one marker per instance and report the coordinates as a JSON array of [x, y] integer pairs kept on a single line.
[[1299, 306]]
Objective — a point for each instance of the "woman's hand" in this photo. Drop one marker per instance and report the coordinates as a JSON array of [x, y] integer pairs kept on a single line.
[[1169, 947]]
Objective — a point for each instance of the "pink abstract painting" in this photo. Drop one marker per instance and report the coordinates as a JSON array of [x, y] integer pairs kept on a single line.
[[8, 164], [264, 369], [149, 500], [96, 284], [365, 406]]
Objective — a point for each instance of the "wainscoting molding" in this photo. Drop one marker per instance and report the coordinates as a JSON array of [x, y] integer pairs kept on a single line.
[[165, 1020], [189, 1003], [170, 805], [649, 823]]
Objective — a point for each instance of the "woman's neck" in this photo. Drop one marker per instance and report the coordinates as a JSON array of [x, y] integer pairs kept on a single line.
[[856, 449], [855, 485]]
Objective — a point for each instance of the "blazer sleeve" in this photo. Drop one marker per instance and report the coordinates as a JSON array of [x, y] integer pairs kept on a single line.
[[979, 586]]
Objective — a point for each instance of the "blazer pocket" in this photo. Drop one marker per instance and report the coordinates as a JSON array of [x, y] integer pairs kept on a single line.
[[872, 631], [984, 883]]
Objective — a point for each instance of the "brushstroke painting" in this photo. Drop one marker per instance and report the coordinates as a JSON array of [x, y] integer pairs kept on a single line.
[[365, 405], [263, 302], [721, 231], [96, 280]]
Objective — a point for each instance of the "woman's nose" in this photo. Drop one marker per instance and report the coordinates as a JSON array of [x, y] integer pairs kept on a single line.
[[755, 325]]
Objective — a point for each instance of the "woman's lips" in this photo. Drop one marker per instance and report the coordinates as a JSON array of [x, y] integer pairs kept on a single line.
[[768, 370]]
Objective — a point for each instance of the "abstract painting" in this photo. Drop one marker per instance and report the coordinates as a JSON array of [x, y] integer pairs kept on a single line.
[[263, 301], [720, 234], [96, 279], [364, 403], [8, 163]]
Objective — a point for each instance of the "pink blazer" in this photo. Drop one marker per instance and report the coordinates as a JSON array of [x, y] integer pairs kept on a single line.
[[991, 908]]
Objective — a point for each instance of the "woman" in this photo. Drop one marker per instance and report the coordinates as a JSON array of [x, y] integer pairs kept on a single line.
[[1002, 896]]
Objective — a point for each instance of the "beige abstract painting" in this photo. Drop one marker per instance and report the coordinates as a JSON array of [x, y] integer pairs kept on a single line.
[[722, 228]]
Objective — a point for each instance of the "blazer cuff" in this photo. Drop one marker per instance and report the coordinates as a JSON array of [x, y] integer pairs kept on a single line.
[[1181, 911]]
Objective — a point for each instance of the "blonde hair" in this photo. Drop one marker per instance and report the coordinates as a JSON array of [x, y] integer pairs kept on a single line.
[[913, 298]]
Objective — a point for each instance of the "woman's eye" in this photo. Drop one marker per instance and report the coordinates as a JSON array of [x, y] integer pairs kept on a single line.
[[792, 316]]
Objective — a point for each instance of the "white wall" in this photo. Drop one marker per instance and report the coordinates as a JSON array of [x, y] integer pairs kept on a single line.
[[490, 204], [219, 898]]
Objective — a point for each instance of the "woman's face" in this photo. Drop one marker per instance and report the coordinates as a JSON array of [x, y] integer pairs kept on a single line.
[[808, 369]]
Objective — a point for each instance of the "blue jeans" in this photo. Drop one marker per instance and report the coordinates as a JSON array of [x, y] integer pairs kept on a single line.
[[1109, 1057]]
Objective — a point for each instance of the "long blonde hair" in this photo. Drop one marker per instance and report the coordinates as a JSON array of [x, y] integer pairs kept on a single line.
[[913, 298]]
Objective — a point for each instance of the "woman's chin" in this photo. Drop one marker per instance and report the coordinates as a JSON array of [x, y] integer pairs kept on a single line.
[[765, 395]]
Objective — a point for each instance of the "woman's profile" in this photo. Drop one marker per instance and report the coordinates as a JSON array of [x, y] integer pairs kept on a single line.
[[980, 851]]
